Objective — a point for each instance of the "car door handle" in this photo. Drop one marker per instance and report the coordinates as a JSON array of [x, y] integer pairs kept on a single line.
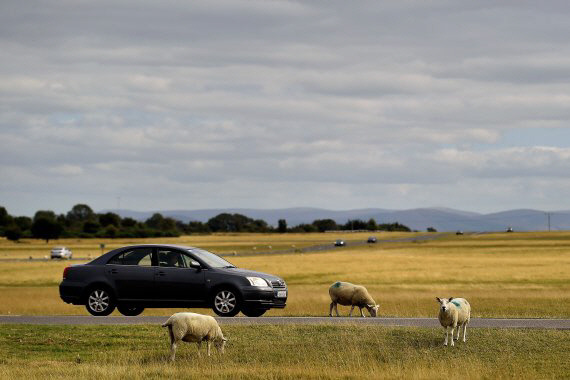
[[113, 271]]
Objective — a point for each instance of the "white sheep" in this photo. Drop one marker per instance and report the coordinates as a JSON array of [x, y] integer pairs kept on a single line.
[[348, 294], [192, 327], [454, 313]]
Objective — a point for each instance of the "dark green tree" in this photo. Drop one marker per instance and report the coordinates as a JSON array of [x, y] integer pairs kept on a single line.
[[196, 227], [13, 232], [282, 226], [47, 214], [91, 227], [46, 228], [303, 227], [23, 222], [128, 222], [155, 221], [323, 225], [236, 223], [393, 227], [109, 219], [80, 213], [355, 224], [5, 218]]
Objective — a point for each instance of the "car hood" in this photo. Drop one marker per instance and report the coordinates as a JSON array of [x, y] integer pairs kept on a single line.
[[248, 273]]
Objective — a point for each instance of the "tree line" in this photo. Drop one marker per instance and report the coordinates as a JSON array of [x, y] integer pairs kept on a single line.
[[82, 222]]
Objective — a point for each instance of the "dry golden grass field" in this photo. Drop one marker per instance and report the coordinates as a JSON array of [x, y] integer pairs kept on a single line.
[[503, 274]]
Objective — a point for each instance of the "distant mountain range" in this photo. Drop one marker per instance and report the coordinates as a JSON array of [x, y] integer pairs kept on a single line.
[[442, 219]]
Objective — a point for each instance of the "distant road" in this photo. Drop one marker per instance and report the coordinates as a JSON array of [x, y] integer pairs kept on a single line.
[[313, 248], [331, 246], [514, 323]]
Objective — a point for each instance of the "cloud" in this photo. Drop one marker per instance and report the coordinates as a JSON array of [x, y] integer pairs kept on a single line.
[[282, 103]]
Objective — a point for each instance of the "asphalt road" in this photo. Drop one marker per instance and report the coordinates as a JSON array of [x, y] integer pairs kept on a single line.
[[528, 323], [313, 248]]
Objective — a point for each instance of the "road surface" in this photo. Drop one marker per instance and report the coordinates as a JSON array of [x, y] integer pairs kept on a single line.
[[313, 248]]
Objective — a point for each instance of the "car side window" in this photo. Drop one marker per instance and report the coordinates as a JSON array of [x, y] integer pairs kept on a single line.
[[172, 258], [137, 256]]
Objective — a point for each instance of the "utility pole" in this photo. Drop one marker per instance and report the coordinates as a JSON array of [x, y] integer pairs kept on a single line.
[[548, 216]]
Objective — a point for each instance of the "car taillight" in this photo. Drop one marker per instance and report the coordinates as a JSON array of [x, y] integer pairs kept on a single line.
[[65, 272]]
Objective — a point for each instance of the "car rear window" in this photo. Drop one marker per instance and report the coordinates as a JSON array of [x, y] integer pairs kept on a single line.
[[137, 256]]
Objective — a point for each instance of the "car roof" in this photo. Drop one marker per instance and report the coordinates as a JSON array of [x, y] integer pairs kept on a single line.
[[104, 257]]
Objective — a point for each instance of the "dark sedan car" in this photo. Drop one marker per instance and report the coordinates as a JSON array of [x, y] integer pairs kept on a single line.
[[142, 276], [339, 243]]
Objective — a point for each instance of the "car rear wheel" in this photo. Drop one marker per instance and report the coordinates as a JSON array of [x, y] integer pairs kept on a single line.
[[130, 310], [253, 312], [100, 301], [226, 303]]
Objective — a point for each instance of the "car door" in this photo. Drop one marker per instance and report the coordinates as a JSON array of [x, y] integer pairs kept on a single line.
[[176, 280], [132, 273]]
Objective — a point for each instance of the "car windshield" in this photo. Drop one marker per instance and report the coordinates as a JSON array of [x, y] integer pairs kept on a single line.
[[211, 259]]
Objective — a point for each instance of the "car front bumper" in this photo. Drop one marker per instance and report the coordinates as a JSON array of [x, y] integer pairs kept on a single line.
[[264, 298]]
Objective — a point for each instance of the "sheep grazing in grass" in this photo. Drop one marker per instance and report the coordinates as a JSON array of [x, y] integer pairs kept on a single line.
[[454, 313], [192, 327], [348, 294]]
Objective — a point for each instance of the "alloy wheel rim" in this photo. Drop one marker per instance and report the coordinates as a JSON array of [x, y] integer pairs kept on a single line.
[[225, 302], [99, 301]]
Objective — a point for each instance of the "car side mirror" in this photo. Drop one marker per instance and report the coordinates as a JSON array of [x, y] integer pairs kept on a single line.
[[194, 264]]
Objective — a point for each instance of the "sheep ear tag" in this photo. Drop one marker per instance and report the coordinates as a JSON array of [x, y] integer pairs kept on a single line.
[[456, 303]]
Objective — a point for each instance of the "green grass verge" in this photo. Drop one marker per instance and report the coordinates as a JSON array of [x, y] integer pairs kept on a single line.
[[282, 352]]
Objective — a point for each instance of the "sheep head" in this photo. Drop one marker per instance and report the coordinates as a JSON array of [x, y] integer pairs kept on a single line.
[[373, 309], [444, 303], [221, 344]]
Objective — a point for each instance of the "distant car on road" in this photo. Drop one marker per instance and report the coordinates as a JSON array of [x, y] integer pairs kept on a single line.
[[60, 253], [459, 232], [372, 239], [339, 243], [509, 229], [151, 275]]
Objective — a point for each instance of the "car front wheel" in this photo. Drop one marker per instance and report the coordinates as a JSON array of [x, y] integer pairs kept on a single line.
[[226, 303], [130, 310], [100, 301]]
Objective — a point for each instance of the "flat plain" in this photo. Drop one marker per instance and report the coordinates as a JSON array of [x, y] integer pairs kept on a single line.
[[503, 275]]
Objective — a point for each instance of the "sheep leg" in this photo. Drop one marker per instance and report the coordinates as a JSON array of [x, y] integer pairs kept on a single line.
[[172, 344], [351, 309], [361, 313], [458, 331], [336, 309], [465, 332], [209, 345], [199, 347], [172, 350], [446, 333], [452, 331], [330, 309]]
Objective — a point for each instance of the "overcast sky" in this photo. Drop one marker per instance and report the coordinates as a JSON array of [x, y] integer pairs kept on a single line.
[[151, 105]]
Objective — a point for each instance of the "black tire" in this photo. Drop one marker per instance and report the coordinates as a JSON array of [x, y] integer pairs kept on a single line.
[[130, 310], [248, 312], [99, 301], [226, 302]]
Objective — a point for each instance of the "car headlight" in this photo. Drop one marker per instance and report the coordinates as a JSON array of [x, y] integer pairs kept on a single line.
[[257, 281]]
